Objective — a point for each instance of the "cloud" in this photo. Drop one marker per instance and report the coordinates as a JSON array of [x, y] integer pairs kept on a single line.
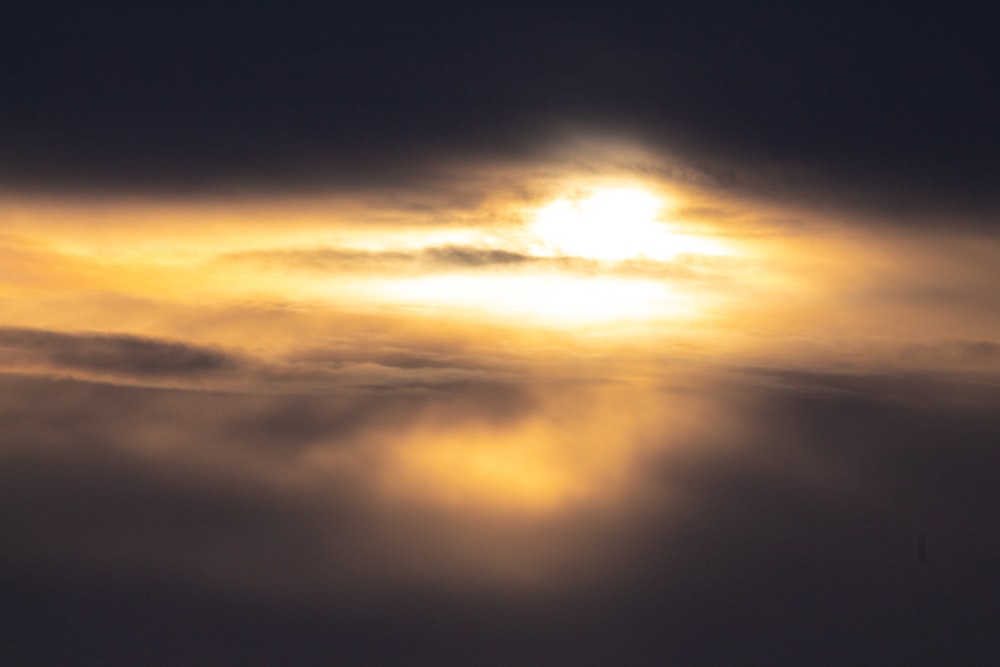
[[465, 256], [261, 454], [901, 127], [126, 359], [341, 259], [451, 258], [789, 522], [112, 354], [967, 353], [270, 494]]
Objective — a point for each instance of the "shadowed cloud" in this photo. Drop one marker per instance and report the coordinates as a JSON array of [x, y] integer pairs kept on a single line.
[[784, 533], [114, 354]]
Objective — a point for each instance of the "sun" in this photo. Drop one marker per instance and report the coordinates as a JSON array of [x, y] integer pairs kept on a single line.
[[613, 224], [610, 224]]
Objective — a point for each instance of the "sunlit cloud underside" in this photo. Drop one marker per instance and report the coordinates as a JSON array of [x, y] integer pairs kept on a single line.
[[598, 315]]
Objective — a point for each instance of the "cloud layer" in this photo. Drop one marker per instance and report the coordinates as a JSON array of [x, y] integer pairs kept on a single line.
[[787, 518], [310, 98], [290, 373]]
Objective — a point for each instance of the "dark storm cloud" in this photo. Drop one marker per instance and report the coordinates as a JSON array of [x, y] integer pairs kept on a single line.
[[116, 354], [885, 108]]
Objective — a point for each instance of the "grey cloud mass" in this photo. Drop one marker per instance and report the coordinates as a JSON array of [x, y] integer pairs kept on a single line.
[[801, 530]]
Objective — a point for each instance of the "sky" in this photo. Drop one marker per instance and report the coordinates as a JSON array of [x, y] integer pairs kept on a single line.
[[545, 334]]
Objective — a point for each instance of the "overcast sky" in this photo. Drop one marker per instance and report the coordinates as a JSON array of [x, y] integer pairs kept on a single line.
[[555, 333]]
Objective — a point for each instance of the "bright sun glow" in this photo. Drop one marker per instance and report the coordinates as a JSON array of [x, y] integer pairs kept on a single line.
[[613, 224], [607, 225], [548, 297]]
